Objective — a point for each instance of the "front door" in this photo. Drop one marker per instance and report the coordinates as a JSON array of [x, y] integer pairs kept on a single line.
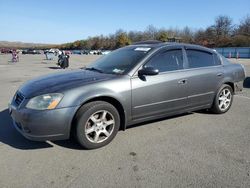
[[162, 93]]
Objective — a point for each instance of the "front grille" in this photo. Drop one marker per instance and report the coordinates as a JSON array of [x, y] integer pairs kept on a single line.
[[18, 98]]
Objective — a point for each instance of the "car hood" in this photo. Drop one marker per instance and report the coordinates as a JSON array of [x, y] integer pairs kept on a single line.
[[59, 82]]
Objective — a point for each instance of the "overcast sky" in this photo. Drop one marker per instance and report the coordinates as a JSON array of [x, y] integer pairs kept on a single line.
[[69, 20]]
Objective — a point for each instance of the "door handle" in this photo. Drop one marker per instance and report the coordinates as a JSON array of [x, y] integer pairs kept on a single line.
[[219, 74], [183, 81]]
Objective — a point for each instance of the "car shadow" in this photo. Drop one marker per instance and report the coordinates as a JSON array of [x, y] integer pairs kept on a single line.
[[158, 120], [204, 112], [54, 67], [10, 136], [70, 144], [246, 83]]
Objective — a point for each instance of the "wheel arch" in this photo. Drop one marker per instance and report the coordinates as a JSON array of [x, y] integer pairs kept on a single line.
[[226, 82], [116, 103], [231, 84]]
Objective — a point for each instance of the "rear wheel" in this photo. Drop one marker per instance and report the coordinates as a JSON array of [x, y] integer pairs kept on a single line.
[[223, 99], [97, 123]]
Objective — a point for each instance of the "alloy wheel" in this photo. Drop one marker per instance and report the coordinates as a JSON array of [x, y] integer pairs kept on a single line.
[[225, 99], [99, 126]]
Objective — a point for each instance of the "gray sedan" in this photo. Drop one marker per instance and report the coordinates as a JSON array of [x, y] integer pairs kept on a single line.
[[137, 83]]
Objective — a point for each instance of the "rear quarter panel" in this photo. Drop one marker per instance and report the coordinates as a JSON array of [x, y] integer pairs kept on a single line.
[[234, 73]]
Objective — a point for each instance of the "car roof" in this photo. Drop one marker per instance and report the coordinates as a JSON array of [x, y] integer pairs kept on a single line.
[[158, 44]]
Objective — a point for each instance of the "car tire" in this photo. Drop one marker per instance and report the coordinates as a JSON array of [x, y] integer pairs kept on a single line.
[[97, 123], [223, 100]]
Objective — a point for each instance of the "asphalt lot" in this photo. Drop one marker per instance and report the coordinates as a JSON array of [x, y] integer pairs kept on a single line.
[[192, 150]]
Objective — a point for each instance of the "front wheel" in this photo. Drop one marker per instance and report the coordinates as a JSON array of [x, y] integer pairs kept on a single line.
[[97, 123], [223, 99]]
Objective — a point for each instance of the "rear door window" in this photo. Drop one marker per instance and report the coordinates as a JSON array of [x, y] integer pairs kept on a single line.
[[217, 60], [197, 58]]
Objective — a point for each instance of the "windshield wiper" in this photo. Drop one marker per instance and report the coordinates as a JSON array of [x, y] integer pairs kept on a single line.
[[94, 69]]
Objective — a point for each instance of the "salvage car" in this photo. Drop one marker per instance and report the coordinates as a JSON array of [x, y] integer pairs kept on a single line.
[[31, 51], [141, 82]]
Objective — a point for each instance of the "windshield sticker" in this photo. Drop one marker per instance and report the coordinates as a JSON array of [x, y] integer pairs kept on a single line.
[[142, 49], [118, 71]]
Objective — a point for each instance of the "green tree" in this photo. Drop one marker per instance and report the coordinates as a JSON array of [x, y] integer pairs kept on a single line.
[[162, 36], [122, 40]]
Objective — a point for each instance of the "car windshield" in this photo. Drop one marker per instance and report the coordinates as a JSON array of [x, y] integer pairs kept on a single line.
[[120, 61]]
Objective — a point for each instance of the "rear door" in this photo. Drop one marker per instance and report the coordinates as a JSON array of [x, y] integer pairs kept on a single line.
[[205, 73], [162, 93]]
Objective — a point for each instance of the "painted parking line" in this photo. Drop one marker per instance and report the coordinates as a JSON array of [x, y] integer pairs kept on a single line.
[[242, 97]]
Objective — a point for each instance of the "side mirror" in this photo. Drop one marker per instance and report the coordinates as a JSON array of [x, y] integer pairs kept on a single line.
[[150, 71]]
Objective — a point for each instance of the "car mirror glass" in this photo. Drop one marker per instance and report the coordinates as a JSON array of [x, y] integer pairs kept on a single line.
[[148, 71]]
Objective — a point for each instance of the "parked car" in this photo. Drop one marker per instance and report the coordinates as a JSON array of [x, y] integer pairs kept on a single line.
[[93, 52], [78, 52], [86, 52], [130, 85], [52, 50], [19, 51], [105, 52], [31, 51], [6, 50]]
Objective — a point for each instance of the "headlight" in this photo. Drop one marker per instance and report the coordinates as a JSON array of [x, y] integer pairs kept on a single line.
[[45, 102]]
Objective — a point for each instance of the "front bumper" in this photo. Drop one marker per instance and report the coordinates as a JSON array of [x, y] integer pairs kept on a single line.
[[43, 125]]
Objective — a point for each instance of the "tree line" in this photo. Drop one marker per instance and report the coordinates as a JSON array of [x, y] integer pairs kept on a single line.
[[223, 33]]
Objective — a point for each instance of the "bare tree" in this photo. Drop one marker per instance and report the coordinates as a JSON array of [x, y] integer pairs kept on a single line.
[[150, 33], [223, 26], [244, 27], [187, 35]]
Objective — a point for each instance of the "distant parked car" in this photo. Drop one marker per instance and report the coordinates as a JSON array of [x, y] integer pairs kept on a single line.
[[130, 85], [19, 51], [93, 52], [6, 50], [52, 50], [86, 52], [99, 52], [31, 51], [105, 52], [77, 52]]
